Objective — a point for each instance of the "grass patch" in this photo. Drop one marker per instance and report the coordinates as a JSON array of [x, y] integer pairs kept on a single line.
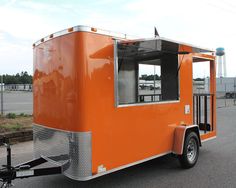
[[10, 127], [19, 122], [24, 115], [11, 116]]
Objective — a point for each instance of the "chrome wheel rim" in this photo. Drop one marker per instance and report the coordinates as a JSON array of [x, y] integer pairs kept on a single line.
[[192, 150]]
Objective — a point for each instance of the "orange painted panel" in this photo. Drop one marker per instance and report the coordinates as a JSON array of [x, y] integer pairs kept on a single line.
[[74, 91], [208, 135]]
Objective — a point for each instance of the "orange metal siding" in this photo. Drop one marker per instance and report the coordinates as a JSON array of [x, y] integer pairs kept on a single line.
[[74, 91]]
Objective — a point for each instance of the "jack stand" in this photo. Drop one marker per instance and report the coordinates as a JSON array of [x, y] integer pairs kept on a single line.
[[26, 170], [7, 183]]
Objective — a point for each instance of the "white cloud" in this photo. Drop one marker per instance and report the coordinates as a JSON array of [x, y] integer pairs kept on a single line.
[[23, 24], [1, 36], [207, 23]]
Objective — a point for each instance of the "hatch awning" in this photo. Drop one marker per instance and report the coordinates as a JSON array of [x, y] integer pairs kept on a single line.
[[145, 48]]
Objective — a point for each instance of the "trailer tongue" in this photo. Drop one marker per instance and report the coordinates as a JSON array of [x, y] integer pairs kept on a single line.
[[8, 173]]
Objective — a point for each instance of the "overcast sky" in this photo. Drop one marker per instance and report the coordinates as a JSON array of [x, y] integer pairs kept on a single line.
[[207, 23]]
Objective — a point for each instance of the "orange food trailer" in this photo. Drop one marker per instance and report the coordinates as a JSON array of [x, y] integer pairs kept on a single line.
[[93, 114]]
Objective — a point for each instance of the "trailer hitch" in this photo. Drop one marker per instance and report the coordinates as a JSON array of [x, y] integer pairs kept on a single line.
[[8, 173]]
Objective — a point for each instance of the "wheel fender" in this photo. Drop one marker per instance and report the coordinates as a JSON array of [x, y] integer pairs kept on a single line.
[[179, 137]]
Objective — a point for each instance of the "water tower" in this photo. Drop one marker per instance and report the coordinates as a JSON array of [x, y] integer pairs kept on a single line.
[[221, 61]]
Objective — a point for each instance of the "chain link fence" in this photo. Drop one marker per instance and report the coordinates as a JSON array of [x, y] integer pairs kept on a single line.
[[226, 92], [1, 91], [16, 98]]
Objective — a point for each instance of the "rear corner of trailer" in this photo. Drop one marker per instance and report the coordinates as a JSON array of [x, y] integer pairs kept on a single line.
[[57, 122]]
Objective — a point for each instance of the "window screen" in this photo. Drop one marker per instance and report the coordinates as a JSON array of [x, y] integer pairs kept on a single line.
[[146, 73]]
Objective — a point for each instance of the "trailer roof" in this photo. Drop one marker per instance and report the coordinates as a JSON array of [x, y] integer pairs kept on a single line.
[[120, 36]]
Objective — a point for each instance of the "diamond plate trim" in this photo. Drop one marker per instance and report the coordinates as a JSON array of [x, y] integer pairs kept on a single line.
[[72, 150]]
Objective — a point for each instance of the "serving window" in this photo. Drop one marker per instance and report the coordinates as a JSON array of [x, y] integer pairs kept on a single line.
[[146, 73]]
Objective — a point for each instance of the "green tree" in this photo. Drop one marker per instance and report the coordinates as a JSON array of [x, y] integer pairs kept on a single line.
[[22, 78]]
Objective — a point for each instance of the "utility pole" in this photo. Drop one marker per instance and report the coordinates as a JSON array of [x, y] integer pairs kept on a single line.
[[2, 95], [234, 90]]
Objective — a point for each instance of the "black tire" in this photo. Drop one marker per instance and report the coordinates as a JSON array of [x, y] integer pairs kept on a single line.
[[190, 151]]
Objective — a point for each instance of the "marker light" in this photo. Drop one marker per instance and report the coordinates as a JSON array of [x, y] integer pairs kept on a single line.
[[70, 29], [93, 29]]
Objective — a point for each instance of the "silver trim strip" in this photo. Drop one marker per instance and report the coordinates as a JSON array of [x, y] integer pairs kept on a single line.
[[208, 139], [82, 28], [150, 103], [116, 35], [116, 74], [124, 166]]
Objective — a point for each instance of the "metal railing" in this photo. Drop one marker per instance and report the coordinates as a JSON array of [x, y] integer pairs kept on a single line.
[[203, 110], [154, 97]]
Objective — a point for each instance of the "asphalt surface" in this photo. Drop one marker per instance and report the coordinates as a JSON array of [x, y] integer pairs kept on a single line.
[[215, 168], [18, 102], [22, 102]]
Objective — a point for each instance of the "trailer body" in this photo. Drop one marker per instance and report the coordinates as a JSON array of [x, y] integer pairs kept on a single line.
[[83, 113]]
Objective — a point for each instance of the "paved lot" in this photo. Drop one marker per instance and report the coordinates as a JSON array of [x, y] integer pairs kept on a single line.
[[215, 168], [18, 102], [22, 102], [220, 103]]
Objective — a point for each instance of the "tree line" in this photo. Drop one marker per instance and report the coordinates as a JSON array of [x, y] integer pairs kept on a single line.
[[19, 78], [25, 78]]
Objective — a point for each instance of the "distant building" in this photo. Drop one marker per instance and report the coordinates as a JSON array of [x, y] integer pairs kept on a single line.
[[223, 85], [1, 86], [18, 87]]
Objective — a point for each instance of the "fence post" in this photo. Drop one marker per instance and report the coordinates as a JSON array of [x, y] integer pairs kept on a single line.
[[234, 90], [1, 94], [225, 94]]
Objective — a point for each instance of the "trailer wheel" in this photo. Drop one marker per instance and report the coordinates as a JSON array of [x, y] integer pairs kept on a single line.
[[190, 151]]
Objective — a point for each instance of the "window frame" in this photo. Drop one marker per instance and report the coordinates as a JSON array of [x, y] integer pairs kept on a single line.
[[116, 88]]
